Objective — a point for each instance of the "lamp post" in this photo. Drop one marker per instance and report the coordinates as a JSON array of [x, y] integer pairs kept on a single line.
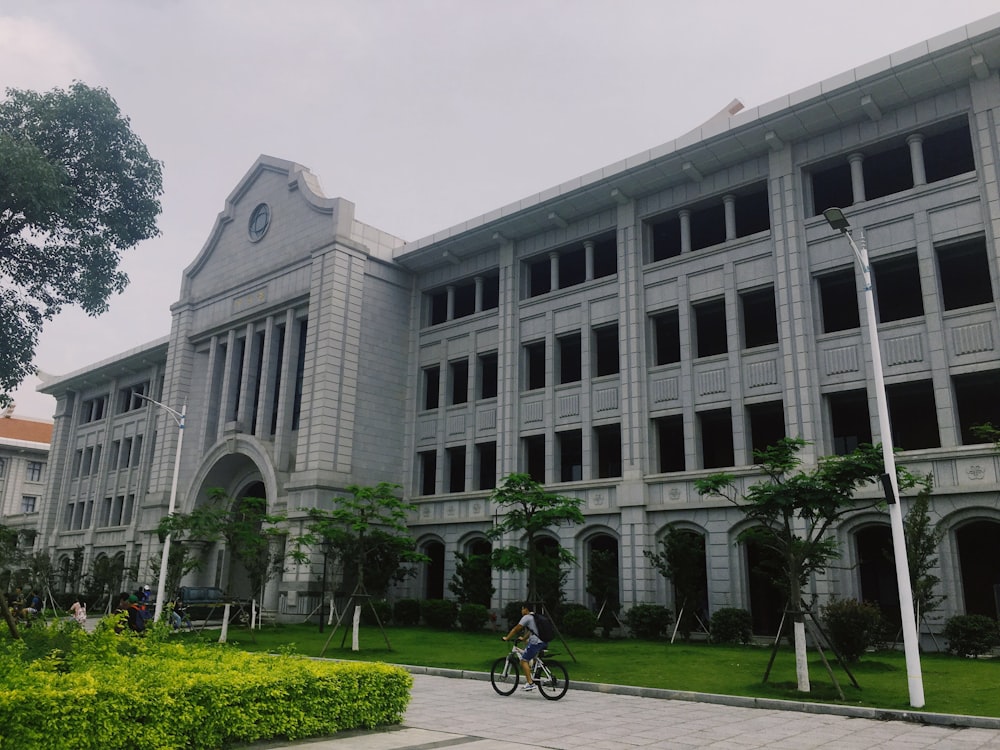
[[836, 219], [161, 585]]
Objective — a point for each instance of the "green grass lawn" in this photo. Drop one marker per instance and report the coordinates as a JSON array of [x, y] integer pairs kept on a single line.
[[951, 684]]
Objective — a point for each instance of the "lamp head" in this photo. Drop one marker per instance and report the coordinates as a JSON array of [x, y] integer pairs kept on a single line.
[[836, 219]]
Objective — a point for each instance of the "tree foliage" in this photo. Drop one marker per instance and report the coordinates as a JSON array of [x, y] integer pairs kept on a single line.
[[525, 508], [367, 534], [77, 188], [10, 556], [922, 541], [472, 582], [681, 560]]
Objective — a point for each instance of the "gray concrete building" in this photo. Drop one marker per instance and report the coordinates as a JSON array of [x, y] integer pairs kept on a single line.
[[617, 337]]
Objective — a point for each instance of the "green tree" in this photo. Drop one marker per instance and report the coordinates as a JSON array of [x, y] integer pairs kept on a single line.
[[792, 512], [10, 556], [77, 189], [472, 582], [922, 541], [681, 560], [247, 528], [525, 508]]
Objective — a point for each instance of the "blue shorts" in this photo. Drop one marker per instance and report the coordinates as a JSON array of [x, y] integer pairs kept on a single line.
[[533, 649]]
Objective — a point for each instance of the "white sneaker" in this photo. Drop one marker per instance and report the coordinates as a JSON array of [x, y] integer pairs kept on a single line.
[[528, 688]]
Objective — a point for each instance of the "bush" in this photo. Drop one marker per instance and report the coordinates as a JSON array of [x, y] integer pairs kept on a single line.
[[73, 689], [406, 612], [512, 613], [380, 606], [439, 613], [853, 626], [971, 635], [472, 617], [731, 625], [648, 620], [579, 622]]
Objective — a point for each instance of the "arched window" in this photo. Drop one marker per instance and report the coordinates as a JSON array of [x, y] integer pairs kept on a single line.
[[977, 544]]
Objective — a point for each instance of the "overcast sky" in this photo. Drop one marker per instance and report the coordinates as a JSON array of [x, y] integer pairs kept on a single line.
[[423, 113]]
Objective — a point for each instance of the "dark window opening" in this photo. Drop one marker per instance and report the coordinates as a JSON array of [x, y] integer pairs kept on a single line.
[[465, 300], [300, 374], [913, 415], [534, 457], [767, 425], [877, 571], [456, 469], [665, 238], [980, 571], [458, 371], [572, 267], [666, 337], [434, 582], [708, 226], [752, 213], [888, 172], [534, 365], [605, 258], [234, 404], [569, 358], [279, 354], [609, 450], [767, 600], [486, 469], [965, 274], [606, 350], [570, 455], [539, 277], [491, 292], [710, 328], [438, 304], [488, 375], [716, 438], [839, 301], [832, 187], [897, 288], [977, 402], [849, 420], [428, 472], [948, 154], [432, 384], [670, 443], [760, 319]]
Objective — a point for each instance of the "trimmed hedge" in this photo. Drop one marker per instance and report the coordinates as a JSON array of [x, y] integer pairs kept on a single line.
[[107, 691]]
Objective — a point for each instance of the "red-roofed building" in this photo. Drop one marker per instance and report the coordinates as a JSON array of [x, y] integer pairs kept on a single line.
[[24, 455]]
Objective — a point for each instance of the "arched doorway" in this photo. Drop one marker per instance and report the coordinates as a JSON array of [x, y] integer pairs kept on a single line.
[[434, 570], [249, 568], [476, 572], [877, 570], [682, 552], [767, 596], [977, 544], [549, 575], [603, 579]]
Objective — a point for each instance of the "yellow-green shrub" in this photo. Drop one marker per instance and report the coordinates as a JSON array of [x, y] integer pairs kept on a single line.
[[112, 691]]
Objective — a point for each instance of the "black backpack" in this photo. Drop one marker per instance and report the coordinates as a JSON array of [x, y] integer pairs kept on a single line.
[[546, 631]]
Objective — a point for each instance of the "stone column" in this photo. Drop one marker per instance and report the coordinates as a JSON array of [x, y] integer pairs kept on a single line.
[[729, 202], [553, 271], [857, 177], [916, 144], [450, 314], [479, 293], [588, 249], [685, 217]]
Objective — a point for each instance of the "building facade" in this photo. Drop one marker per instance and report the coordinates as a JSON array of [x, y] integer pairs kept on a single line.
[[617, 337], [24, 458]]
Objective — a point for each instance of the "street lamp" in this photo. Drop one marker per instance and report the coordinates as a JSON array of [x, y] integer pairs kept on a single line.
[[836, 219], [179, 418]]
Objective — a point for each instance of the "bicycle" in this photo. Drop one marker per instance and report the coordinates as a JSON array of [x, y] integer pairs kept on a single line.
[[549, 675]]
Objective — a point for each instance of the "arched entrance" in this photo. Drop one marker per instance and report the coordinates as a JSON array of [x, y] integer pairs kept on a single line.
[[477, 572], [603, 579], [248, 568], [877, 570], [977, 544], [549, 575], [434, 570], [767, 597]]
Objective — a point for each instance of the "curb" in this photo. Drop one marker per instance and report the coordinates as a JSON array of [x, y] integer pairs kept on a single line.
[[774, 704]]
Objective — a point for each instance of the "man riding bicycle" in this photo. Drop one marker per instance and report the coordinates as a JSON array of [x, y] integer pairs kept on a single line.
[[535, 644]]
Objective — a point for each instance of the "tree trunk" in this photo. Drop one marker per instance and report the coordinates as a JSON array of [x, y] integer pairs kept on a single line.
[[9, 618], [801, 659]]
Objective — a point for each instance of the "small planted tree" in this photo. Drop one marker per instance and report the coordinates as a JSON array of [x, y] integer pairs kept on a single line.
[[10, 555], [922, 541], [681, 560], [472, 582]]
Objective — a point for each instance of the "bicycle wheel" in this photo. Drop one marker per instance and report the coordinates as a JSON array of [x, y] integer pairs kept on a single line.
[[553, 682], [504, 676]]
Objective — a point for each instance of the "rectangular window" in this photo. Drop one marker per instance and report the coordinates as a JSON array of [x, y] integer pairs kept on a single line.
[[456, 469], [948, 154], [605, 258], [569, 357], [666, 338], [665, 238], [126, 457], [752, 212], [131, 397], [831, 187], [767, 425], [838, 295], [92, 410], [977, 402], [128, 510], [965, 274], [432, 384], [115, 517], [606, 350], [572, 267], [28, 503], [716, 438], [760, 319], [708, 226], [437, 307], [3, 466], [897, 288], [104, 519], [849, 420], [428, 472], [486, 466], [534, 457], [710, 327], [887, 172], [669, 435], [116, 447], [35, 471], [488, 375], [913, 415], [458, 372], [491, 292], [465, 300], [608, 439], [539, 276], [77, 462], [534, 365], [570, 455]]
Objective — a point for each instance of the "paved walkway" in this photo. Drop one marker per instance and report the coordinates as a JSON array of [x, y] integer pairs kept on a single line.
[[466, 714]]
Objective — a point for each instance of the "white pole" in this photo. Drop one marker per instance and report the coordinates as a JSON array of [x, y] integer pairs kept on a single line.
[[911, 645], [161, 585]]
